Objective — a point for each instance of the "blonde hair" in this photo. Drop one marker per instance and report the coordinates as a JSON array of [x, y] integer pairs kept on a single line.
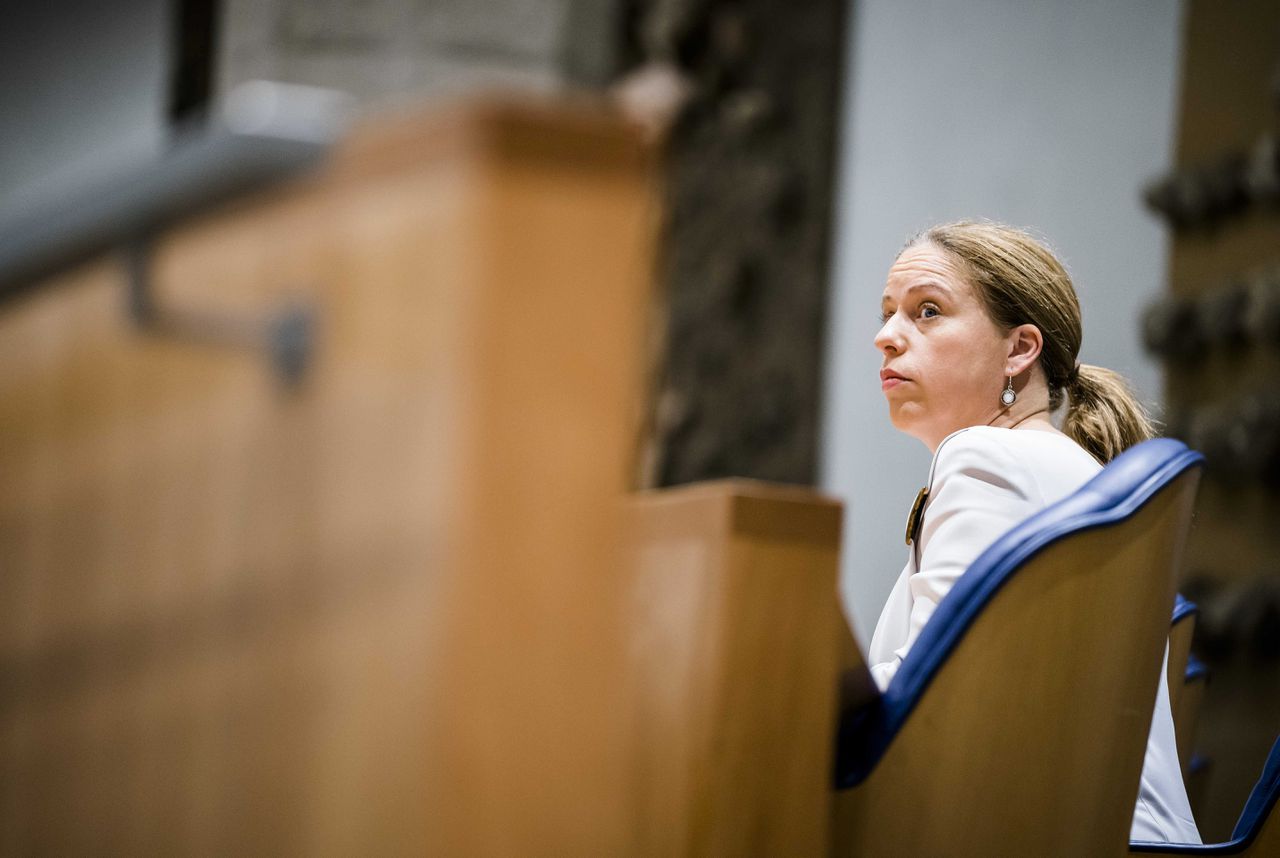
[[1020, 281]]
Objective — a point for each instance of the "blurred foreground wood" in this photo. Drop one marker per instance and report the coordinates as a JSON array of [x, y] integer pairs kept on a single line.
[[379, 614], [736, 621]]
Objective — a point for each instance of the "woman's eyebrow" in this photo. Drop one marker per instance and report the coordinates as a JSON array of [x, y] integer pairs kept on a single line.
[[918, 287]]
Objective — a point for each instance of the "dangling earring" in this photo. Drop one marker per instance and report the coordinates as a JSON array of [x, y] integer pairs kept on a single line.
[[1007, 396]]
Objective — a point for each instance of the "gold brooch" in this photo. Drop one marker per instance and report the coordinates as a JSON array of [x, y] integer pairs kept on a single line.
[[917, 513]]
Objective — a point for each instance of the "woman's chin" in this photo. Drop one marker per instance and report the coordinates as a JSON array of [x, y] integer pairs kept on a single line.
[[904, 416], [909, 419]]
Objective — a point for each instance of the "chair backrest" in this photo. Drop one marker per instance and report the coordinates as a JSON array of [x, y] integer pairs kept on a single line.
[[1023, 708], [1257, 832], [734, 620], [1186, 709], [1181, 631], [1256, 828]]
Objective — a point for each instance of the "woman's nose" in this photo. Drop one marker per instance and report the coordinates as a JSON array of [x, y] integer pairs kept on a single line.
[[889, 339]]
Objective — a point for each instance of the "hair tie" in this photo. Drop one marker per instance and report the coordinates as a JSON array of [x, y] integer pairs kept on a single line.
[[1073, 375]]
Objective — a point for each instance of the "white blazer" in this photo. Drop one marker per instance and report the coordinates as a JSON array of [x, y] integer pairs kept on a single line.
[[982, 482]]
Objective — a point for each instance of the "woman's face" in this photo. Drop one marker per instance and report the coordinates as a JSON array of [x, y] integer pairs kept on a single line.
[[944, 359]]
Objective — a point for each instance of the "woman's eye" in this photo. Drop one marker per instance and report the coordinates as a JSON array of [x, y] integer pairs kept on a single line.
[[928, 311]]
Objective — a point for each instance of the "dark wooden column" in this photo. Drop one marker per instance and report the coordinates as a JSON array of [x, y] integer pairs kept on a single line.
[[744, 262]]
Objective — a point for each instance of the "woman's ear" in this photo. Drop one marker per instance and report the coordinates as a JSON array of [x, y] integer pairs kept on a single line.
[[1025, 343]]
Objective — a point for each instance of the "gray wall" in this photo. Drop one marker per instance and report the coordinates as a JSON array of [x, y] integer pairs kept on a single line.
[[84, 88], [1048, 115], [389, 53]]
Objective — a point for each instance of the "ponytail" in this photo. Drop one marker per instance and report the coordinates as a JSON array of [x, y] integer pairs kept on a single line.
[[1103, 415]]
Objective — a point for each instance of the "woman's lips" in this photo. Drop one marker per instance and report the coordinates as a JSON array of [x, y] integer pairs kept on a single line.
[[890, 379]]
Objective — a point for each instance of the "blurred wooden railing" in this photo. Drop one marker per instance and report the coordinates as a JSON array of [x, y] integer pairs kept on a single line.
[[376, 611]]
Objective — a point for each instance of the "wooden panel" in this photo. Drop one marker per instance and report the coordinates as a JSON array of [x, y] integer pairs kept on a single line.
[[1039, 718], [735, 610], [1228, 103], [1180, 635], [1186, 718], [377, 614]]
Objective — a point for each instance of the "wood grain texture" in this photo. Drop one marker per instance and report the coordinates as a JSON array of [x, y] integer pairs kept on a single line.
[[1030, 739], [735, 612], [378, 614]]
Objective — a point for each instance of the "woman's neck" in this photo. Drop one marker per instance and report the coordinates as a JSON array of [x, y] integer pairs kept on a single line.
[[1037, 420], [1029, 411]]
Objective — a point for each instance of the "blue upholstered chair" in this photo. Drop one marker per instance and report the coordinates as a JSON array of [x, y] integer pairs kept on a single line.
[[1186, 705], [1183, 608], [1018, 722], [1186, 678], [1257, 833], [1181, 631]]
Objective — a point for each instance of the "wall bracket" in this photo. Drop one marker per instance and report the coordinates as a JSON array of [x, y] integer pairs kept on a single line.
[[286, 336]]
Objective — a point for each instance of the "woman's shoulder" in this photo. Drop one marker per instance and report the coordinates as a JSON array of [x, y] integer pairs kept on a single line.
[[994, 453], [1013, 441]]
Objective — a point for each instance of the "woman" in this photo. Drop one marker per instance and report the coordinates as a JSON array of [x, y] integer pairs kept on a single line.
[[981, 328]]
